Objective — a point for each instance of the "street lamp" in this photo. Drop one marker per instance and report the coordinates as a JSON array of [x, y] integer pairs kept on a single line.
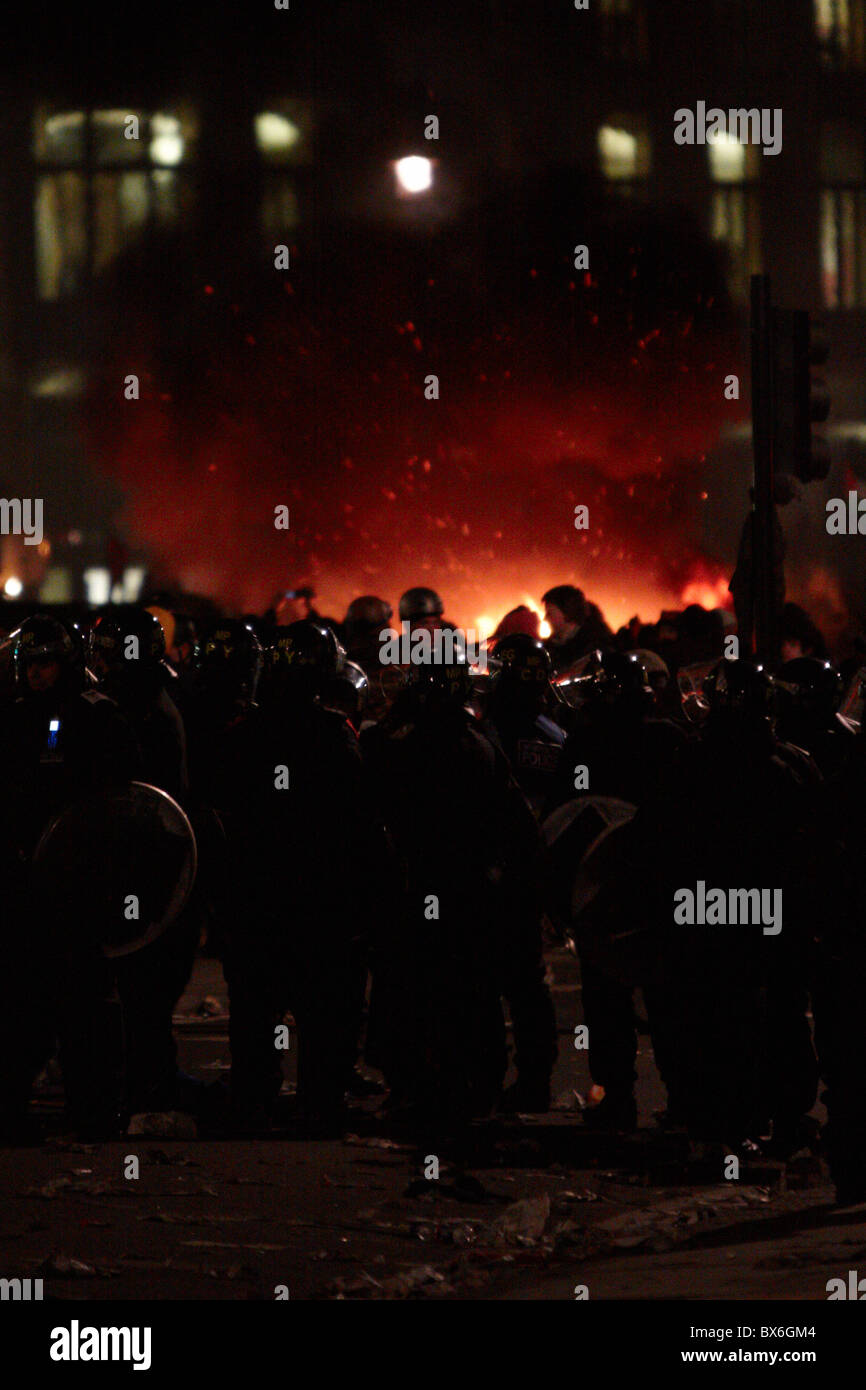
[[414, 173]]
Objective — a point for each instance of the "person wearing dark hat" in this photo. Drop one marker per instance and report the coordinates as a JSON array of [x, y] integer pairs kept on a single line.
[[576, 626]]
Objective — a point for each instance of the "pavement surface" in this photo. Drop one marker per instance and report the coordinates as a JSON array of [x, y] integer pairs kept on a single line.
[[543, 1209]]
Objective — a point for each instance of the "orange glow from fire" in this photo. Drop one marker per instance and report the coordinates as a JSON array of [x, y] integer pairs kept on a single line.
[[619, 600], [707, 594]]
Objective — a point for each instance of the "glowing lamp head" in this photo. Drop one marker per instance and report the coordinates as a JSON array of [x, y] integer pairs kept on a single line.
[[414, 173], [13, 588]]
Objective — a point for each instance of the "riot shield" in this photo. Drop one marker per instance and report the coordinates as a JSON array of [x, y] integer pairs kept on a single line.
[[592, 869], [690, 680], [577, 684], [118, 866]]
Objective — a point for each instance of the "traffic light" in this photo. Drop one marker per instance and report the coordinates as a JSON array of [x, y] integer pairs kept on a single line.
[[799, 399]]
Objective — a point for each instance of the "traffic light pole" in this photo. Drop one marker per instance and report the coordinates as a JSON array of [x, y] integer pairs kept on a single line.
[[765, 561]]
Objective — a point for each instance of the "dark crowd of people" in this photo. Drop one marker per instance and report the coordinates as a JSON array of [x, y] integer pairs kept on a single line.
[[384, 851]]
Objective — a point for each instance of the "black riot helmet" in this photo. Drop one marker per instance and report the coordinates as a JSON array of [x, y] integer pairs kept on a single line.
[[125, 642], [365, 619], [809, 691], [620, 684], [417, 604], [367, 613], [522, 660], [301, 659], [442, 683], [667, 694], [657, 670], [44, 639], [741, 691], [347, 691], [523, 671], [228, 658]]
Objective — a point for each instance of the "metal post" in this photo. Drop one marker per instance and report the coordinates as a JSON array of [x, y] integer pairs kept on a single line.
[[764, 553]]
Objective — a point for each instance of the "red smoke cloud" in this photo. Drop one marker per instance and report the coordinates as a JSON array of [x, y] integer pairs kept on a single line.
[[473, 493]]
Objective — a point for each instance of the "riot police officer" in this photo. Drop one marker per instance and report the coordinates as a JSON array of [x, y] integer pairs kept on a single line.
[[618, 749], [228, 662], [61, 740], [349, 692], [464, 924], [423, 608], [127, 650], [227, 665], [306, 849], [515, 713], [741, 1052], [809, 691], [365, 619]]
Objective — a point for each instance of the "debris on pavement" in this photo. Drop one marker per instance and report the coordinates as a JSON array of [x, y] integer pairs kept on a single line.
[[417, 1280], [522, 1223], [67, 1267], [167, 1124], [376, 1142]]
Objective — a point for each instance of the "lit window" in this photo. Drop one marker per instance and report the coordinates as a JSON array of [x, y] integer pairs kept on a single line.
[[129, 161], [60, 139], [843, 239], [279, 206], [58, 383], [56, 587], [618, 152], [840, 26], [283, 133], [116, 136], [735, 223], [111, 138], [122, 207], [843, 217], [132, 583], [276, 136], [730, 162], [61, 240], [97, 586], [624, 150], [734, 212], [165, 190], [826, 13]]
